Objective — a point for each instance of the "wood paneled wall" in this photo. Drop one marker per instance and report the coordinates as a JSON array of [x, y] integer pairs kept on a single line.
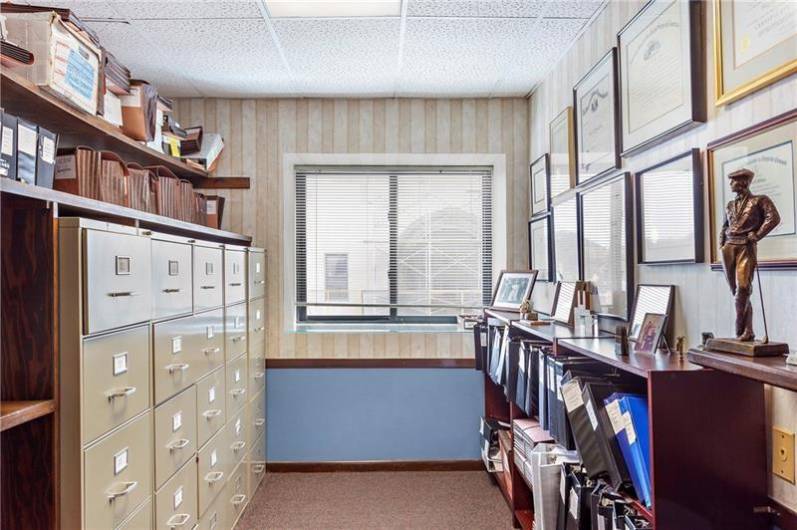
[[258, 132], [703, 302]]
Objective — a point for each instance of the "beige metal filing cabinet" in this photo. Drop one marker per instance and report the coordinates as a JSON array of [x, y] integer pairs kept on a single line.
[[162, 412]]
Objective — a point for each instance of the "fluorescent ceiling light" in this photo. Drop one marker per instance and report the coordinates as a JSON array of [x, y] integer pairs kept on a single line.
[[333, 8]]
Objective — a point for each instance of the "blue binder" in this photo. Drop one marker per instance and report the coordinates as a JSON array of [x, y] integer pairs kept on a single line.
[[636, 448]]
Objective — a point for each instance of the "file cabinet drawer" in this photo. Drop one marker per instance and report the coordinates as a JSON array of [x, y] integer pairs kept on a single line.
[[237, 490], [171, 279], [256, 464], [116, 373], [257, 322], [176, 502], [236, 385], [141, 520], [175, 434], [256, 413], [176, 357], [257, 274], [235, 330], [215, 515], [234, 276], [209, 331], [117, 280], [211, 411], [236, 439], [117, 474], [213, 470], [208, 274], [257, 376]]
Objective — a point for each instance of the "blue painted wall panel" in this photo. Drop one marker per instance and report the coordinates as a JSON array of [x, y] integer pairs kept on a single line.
[[334, 414]]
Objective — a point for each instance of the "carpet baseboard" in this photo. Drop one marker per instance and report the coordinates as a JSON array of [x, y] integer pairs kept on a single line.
[[375, 465]]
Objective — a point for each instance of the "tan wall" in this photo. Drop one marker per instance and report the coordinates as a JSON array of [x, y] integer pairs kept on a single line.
[[702, 301], [258, 132]]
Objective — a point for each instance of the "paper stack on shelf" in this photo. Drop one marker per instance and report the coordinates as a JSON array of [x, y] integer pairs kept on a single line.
[[208, 156], [117, 75]]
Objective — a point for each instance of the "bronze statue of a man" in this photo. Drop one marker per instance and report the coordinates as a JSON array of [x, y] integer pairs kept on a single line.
[[748, 219]]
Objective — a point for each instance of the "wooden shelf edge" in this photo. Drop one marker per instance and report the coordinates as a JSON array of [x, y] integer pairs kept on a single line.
[[770, 370], [222, 183], [15, 413]]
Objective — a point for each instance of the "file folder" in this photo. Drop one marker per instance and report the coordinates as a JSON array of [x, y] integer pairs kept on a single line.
[[45, 157], [27, 138], [628, 414], [8, 146]]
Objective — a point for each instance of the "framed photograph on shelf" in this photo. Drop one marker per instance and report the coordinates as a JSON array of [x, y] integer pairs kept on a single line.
[[539, 194], [650, 333], [597, 120], [513, 287], [565, 238], [662, 73], [669, 211], [768, 149], [562, 156], [540, 253], [606, 245], [755, 44], [651, 298]]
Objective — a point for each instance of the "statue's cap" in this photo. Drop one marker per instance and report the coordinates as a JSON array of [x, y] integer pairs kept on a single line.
[[743, 173]]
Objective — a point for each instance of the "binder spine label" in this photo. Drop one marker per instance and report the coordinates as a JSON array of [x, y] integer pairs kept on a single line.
[[629, 428], [573, 504], [615, 416], [7, 147], [571, 391], [65, 167]]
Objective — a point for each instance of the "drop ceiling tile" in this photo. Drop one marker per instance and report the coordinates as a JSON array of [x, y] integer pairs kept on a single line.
[[442, 8], [572, 8], [82, 8], [185, 9], [341, 56]]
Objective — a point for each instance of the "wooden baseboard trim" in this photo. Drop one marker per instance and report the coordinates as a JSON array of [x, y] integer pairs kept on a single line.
[[375, 465], [370, 363], [786, 519]]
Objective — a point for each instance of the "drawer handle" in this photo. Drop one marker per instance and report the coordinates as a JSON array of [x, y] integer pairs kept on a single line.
[[212, 413], [182, 443], [170, 291], [259, 375], [214, 476], [260, 422], [258, 282], [239, 499], [210, 351], [182, 367], [259, 468], [207, 286], [129, 486], [238, 392], [236, 284], [240, 338], [119, 294], [120, 392], [178, 519], [258, 330], [237, 446]]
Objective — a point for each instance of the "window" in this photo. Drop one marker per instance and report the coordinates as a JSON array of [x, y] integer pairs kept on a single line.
[[402, 245]]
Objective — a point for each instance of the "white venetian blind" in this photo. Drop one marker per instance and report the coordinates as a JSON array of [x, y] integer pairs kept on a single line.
[[406, 244]]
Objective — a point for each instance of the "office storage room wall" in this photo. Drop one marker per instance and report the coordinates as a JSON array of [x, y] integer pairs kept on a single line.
[[304, 401], [703, 301]]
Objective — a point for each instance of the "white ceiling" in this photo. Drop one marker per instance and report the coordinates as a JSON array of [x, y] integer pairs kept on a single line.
[[436, 48]]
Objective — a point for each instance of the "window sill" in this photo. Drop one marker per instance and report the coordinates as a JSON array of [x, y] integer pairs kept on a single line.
[[352, 327]]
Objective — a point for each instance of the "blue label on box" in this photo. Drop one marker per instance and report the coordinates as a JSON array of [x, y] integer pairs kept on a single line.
[[80, 74]]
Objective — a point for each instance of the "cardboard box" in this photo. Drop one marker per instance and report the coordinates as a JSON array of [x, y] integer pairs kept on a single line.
[[140, 112]]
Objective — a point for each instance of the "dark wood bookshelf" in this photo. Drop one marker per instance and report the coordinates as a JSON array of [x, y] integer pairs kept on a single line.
[[13, 413], [770, 370]]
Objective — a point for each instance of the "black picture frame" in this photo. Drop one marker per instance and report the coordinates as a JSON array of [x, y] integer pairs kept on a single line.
[[547, 199], [694, 41], [628, 240], [611, 57], [696, 204], [532, 274], [549, 245], [670, 290]]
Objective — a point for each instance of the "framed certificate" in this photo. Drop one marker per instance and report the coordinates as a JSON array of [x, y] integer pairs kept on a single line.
[[562, 158], [755, 44], [597, 121], [662, 74], [539, 195], [669, 211], [565, 238], [768, 149], [607, 246], [540, 248]]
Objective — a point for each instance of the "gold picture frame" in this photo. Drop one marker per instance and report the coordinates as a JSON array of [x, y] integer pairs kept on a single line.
[[557, 177], [725, 94]]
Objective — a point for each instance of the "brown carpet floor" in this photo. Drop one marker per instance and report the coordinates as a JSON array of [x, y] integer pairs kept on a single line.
[[407, 500]]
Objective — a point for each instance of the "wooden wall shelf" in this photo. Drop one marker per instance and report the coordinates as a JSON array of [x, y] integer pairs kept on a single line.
[[13, 413], [771, 370]]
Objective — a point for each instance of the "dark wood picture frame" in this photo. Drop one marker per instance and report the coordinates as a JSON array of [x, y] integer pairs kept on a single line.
[[697, 209], [628, 240], [546, 162], [611, 56], [549, 241], [697, 77]]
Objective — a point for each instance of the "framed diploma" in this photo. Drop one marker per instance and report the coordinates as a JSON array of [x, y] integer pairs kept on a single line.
[[565, 238], [768, 149], [597, 121], [662, 74], [607, 246], [540, 248], [539, 195], [562, 157], [669, 211], [755, 44]]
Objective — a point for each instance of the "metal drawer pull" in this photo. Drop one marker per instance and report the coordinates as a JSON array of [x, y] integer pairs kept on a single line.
[[207, 286], [237, 446], [259, 468], [118, 294], [236, 284], [239, 499], [129, 486], [182, 367], [214, 476], [209, 351], [120, 392], [260, 422], [178, 519], [238, 392], [241, 338], [172, 290], [212, 413], [259, 375], [178, 444], [258, 330]]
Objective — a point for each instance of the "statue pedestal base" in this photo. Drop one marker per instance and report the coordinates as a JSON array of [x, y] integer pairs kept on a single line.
[[753, 348]]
